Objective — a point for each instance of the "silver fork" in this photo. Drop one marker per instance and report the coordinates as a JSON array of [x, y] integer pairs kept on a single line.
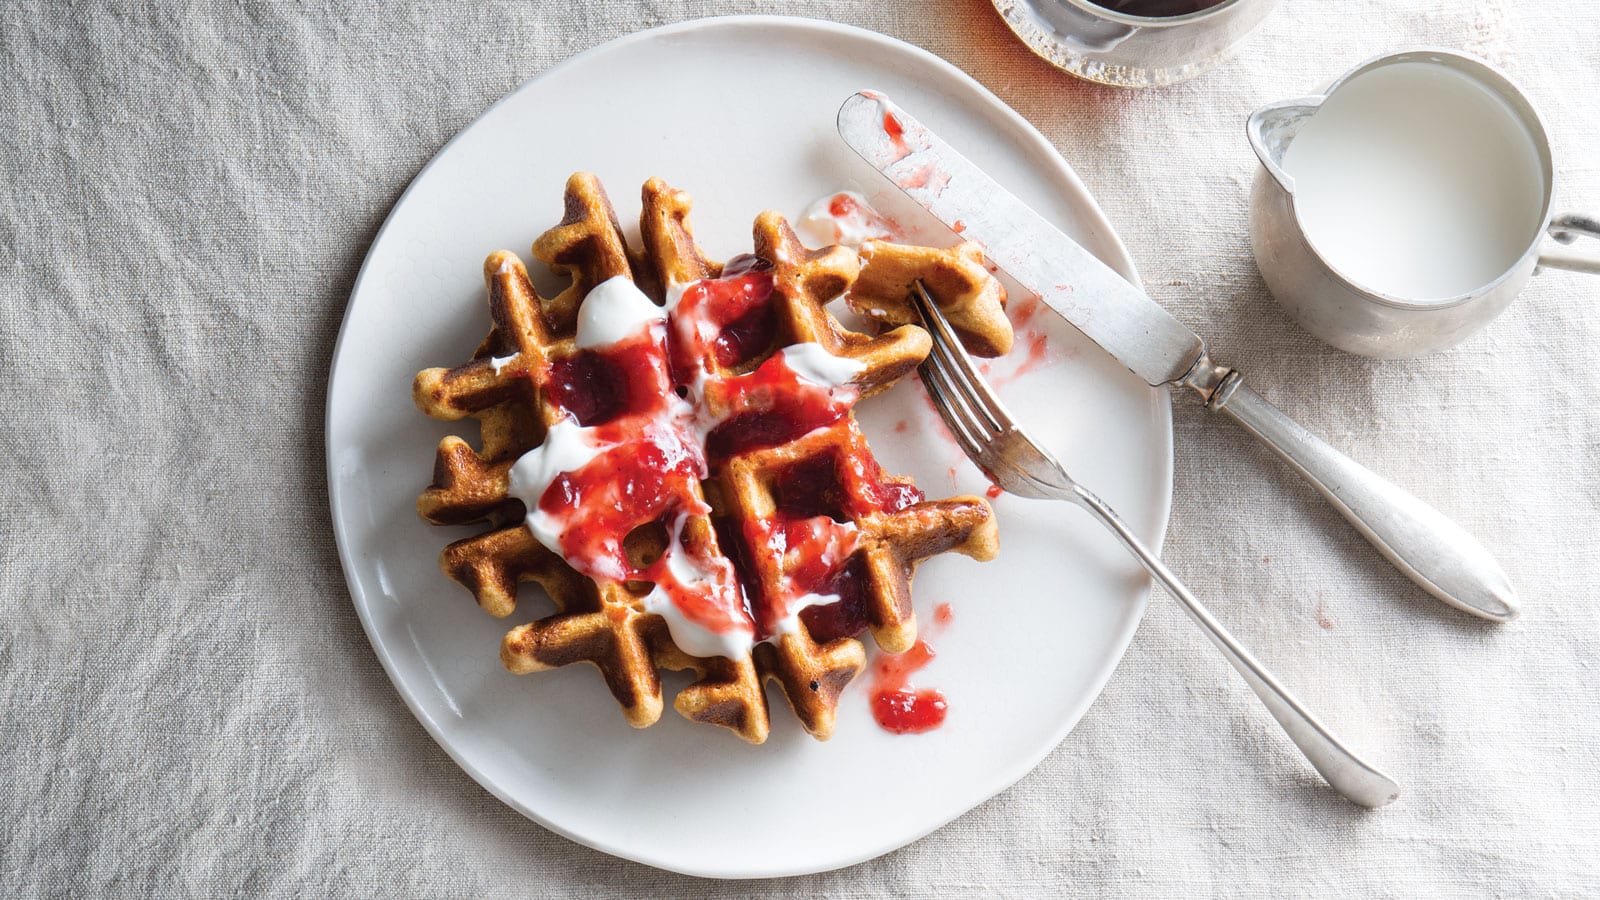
[[1005, 453]]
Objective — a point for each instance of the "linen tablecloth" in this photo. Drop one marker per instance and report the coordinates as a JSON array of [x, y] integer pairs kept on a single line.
[[188, 705]]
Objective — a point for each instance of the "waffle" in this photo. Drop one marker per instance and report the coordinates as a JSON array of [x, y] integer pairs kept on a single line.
[[971, 299], [783, 508]]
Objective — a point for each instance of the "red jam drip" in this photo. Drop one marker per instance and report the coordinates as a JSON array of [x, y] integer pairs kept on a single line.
[[885, 496], [943, 614], [994, 491], [917, 178], [769, 407], [625, 378], [626, 487], [847, 617], [808, 556], [649, 474], [896, 497], [728, 320], [897, 706], [897, 135]]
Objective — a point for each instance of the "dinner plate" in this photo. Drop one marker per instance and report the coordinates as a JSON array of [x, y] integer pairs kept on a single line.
[[739, 112]]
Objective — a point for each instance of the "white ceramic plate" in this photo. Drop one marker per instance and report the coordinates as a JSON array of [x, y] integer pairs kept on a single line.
[[739, 112]]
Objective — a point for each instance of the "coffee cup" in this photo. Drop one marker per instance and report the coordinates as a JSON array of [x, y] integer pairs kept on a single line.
[[1133, 43]]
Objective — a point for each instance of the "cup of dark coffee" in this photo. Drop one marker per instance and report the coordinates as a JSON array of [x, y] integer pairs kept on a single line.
[[1157, 8], [1133, 43]]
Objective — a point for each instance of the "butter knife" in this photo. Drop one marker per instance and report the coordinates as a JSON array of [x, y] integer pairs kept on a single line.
[[1420, 541]]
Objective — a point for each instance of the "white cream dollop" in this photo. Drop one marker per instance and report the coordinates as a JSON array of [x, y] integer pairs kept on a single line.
[[615, 309], [819, 227], [815, 364], [690, 636], [567, 447], [790, 624]]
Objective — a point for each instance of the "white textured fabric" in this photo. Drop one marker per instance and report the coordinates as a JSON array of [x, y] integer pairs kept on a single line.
[[188, 704]]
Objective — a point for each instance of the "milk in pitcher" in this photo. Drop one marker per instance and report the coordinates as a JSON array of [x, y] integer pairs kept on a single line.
[[1416, 182]]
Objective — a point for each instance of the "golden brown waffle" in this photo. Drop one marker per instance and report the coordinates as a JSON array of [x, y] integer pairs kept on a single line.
[[751, 490], [971, 298]]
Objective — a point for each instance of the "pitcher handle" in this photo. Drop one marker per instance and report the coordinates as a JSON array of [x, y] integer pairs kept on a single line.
[[1566, 229]]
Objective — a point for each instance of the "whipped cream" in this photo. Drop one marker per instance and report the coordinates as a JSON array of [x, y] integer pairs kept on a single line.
[[790, 624], [567, 447], [844, 218], [691, 636], [812, 362], [615, 309]]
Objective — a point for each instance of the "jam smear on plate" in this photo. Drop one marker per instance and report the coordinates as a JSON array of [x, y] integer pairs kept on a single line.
[[897, 706]]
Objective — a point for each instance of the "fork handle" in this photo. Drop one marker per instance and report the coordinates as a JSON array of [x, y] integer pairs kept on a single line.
[[1431, 550], [1347, 773]]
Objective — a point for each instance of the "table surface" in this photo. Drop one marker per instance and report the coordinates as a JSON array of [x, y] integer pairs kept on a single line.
[[190, 705]]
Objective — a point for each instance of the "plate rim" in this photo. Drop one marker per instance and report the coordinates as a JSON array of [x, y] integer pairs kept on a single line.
[[1038, 147]]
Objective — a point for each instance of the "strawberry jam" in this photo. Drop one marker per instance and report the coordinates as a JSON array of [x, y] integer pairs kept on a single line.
[[810, 488], [627, 486], [719, 326], [844, 488], [897, 134], [597, 386], [771, 406], [655, 410], [835, 489], [885, 496], [909, 712], [893, 128], [807, 560], [898, 707], [846, 617], [727, 320]]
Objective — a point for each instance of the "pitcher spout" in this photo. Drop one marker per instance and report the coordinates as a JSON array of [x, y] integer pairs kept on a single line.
[[1273, 127]]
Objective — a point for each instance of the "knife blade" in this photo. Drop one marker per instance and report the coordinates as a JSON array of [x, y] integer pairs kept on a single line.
[[1421, 542], [1069, 279]]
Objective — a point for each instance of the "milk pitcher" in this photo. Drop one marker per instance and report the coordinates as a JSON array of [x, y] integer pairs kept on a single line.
[[1400, 210]]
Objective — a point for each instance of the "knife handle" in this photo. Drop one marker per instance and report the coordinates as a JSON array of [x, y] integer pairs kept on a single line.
[[1430, 549]]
